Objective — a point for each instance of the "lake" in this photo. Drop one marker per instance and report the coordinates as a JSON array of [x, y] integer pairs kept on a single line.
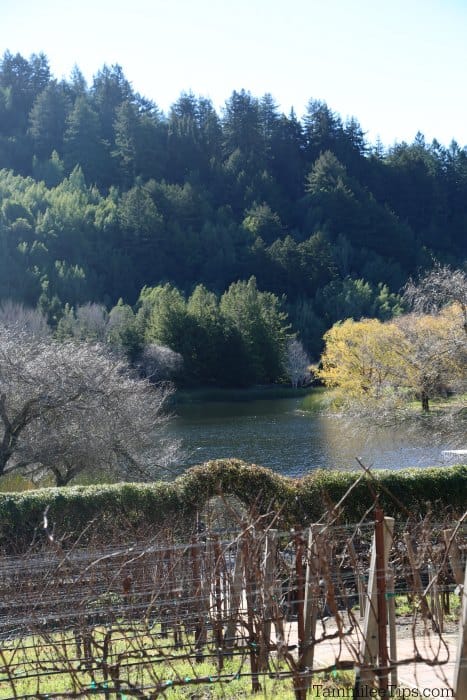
[[279, 434]]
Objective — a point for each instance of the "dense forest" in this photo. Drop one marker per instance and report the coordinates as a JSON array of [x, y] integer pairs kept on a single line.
[[222, 231]]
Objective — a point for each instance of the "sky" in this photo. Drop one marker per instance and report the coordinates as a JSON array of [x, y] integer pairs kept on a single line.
[[398, 66]]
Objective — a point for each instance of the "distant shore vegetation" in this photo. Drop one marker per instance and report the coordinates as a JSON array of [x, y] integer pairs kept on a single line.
[[232, 248], [103, 195]]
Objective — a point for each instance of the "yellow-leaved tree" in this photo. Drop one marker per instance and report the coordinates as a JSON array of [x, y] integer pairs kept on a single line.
[[361, 360], [434, 354], [415, 356]]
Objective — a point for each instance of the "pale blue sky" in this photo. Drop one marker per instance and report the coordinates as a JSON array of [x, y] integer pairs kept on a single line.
[[398, 66]]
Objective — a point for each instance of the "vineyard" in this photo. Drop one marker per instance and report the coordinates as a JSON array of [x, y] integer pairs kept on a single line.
[[242, 607]]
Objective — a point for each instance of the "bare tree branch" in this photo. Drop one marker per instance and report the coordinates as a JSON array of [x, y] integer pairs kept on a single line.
[[67, 407]]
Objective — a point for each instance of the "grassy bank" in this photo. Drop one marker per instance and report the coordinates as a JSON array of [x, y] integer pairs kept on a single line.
[[315, 400], [132, 507], [441, 404], [324, 398], [43, 665]]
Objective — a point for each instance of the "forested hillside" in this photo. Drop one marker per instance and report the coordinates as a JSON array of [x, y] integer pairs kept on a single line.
[[102, 194]]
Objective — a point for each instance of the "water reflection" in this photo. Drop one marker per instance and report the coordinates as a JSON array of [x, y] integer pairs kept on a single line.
[[276, 433]]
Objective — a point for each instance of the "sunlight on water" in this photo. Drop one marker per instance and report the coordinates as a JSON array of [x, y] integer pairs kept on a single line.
[[278, 433]]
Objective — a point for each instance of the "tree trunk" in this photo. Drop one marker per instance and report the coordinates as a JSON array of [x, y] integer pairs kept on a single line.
[[425, 402], [4, 457], [60, 479], [6, 449]]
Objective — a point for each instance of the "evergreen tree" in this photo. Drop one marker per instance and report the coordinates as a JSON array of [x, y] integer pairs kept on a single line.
[[126, 141], [262, 325], [47, 119], [210, 340], [83, 141], [25, 81], [322, 129], [109, 90], [142, 234], [242, 127]]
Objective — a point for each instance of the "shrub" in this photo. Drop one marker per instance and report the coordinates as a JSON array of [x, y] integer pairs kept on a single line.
[[128, 508]]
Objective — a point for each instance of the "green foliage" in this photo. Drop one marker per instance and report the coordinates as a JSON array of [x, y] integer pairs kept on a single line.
[[51, 171], [262, 325], [355, 298], [238, 340], [123, 332], [123, 196], [83, 143], [299, 501], [263, 223], [167, 316], [47, 119], [211, 340], [42, 652]]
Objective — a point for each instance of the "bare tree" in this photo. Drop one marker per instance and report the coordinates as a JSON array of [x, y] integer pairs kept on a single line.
[[438, 288], [22, 318], [433, 355], [158, 362], [88, 322], [91, 322], [66, 407], [296, 363]]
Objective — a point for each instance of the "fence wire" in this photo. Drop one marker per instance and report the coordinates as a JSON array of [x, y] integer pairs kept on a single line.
[[249, 603]]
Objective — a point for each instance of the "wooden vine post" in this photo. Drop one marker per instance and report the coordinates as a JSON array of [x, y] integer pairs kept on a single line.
[[199, 620], [235, 597], [299, 547], [250, 594], [460, 670], [390, 594], [269, 594], [375, 654], [218, 601], [311, 601], [455, 558]]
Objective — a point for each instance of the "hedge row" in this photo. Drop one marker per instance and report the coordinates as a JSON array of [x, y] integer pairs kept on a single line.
[[176, 503]]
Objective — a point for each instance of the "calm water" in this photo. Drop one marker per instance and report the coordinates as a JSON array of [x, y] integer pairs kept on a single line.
[[276, 433]]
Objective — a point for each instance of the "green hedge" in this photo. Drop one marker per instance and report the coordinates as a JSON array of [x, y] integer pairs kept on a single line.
[[131, 506]]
